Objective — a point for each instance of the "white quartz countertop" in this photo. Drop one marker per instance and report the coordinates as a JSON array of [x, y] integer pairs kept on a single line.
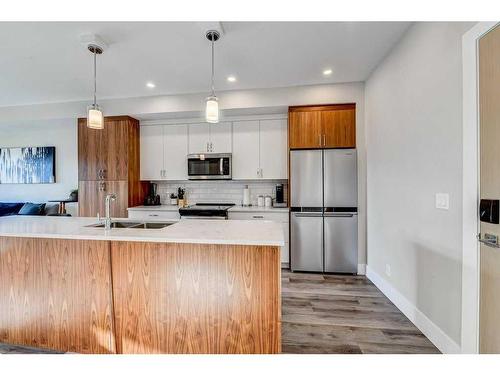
[[165, 207], [224, 232]]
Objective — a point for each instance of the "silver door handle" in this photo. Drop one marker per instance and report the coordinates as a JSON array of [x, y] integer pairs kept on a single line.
[[257, 217], [324, 139], [152, 215], [221, 166], [489, 243]]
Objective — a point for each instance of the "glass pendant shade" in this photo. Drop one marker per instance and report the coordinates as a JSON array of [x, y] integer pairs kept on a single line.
[[212, 110], [95, 119]]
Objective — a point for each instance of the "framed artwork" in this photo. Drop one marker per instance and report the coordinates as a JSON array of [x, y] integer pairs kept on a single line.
[[28, 165]]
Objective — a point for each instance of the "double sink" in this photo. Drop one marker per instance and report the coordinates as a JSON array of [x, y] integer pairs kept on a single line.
[[133, 225]]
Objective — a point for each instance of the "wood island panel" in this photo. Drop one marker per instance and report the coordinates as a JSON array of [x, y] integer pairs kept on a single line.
[[56, 294], [196, 298]]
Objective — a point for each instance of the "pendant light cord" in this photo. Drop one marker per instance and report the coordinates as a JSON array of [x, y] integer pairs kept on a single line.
[[95, 78], [213, 85]]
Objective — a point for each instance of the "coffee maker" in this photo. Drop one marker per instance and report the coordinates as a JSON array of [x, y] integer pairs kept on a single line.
[[152, 199], [280, 196]]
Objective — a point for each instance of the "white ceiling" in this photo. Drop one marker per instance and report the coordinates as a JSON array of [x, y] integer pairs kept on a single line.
[[45, 62]]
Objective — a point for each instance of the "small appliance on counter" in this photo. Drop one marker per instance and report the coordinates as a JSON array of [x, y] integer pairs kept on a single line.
[[152, 199], [280, 196]]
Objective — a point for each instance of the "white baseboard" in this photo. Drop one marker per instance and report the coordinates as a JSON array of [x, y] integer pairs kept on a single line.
[[442, 341], [361, 269]]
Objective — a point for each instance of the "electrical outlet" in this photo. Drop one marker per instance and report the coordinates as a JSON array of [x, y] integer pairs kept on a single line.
[[388, 270]]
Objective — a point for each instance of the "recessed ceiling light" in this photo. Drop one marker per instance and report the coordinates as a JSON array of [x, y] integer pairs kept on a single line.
[[151, 85], [327, 72], [231, 79]]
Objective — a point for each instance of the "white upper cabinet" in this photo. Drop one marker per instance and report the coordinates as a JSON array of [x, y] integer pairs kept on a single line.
[[206, 137], [246, 150], [273, 149], [151, 141], [175, 151], [259, 148], [199, 138], [220, 137]]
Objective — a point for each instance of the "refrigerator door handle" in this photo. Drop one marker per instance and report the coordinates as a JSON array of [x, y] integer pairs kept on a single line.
[[307, 214], [338, 215]]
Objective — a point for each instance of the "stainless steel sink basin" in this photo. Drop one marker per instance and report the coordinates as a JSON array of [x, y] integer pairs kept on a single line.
[[133, 225], [152, 225]]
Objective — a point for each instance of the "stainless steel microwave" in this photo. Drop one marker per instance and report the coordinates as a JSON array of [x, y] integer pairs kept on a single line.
[[209, 166]]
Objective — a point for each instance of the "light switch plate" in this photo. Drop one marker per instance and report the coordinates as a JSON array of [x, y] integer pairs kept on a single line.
[[443, 201]]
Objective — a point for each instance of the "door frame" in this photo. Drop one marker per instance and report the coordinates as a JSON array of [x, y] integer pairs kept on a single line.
[[470, 186]]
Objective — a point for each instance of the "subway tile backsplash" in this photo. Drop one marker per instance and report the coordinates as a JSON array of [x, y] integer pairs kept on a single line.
[[219, 191]]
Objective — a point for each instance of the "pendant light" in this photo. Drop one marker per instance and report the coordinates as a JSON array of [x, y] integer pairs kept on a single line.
[[95, 119], [212, 103]]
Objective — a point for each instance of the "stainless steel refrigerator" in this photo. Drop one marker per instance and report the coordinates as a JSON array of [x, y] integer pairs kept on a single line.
[[323, 211]]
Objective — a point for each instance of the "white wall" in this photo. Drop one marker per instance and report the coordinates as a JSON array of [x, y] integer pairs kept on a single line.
[[414, 150], [59, 133]]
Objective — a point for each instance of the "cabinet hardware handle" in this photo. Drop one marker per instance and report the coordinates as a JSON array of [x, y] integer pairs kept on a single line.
[[258, 217], [324, 139], [152, 215]]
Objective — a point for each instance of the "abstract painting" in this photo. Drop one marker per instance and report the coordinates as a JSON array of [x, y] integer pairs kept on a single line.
[[28, 165]]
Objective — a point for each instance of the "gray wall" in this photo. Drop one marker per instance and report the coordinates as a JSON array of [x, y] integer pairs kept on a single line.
[[414, 150]]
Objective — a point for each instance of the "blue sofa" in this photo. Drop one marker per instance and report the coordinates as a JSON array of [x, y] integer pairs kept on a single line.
[[8, 209]]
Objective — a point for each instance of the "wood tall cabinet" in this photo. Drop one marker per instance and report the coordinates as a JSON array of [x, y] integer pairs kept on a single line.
[[322, 126], [108, 162]]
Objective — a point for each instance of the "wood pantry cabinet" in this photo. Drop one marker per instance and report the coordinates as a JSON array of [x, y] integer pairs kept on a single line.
[[322, 126], [108, 162]]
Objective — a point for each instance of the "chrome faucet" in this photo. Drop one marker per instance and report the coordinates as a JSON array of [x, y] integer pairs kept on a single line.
[[107, 219]]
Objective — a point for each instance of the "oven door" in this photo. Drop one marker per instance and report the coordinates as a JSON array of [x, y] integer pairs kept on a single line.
[[209, 166]]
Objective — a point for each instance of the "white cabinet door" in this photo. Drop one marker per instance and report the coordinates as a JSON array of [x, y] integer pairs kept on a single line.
[[199, 137], [273, 149], [220, 137], [151, 141], [175, 151], [246, 150]]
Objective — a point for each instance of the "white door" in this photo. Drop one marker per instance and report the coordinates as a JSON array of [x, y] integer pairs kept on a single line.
[[199, 136], [151, 141], [246, 150], [220, 137], [175, 151], [273, 149]]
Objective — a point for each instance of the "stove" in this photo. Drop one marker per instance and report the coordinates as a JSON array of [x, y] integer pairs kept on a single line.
[[206, 211]]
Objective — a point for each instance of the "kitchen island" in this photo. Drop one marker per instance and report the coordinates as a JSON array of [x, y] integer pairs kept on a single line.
[[197, 286]]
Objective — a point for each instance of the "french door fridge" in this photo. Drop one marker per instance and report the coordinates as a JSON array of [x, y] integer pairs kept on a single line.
[[323, 217]]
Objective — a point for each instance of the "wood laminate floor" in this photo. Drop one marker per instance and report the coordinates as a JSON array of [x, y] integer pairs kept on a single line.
[[344, 314], [334, 314]]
